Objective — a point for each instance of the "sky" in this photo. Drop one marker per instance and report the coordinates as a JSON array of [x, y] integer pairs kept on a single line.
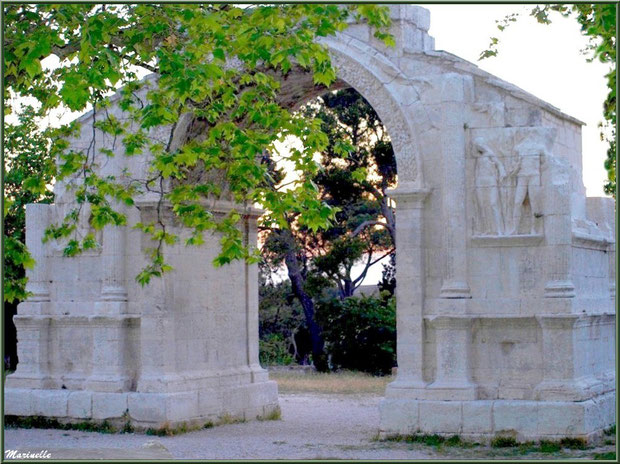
[[544, 60]]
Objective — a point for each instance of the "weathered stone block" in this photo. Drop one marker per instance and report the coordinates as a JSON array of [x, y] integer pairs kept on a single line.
[[80, 404], [440, 416], [399, 416], [109, 405], [209, 402], [477, 416], [50, 403], [182, 406], [147, 407], [561, 419], [516, 416], [18, 402]]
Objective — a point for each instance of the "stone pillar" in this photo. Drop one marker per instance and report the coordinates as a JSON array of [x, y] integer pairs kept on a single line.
[[454, 186], [251, 302], [37, 220], [559, 371], [110, 324], [113, 298], [558, 230], [410, 274], [559, 284], [157, 352], [611, 251], [31, 321], [453, 345], [33, 369]]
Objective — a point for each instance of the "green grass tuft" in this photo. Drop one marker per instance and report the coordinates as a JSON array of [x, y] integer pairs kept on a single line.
[[228, 419], [609, 456], [39, 422], [573, 443], [275, 414], [454, 440], [434, 440], [428, 440], [504, 442], [547, 446]]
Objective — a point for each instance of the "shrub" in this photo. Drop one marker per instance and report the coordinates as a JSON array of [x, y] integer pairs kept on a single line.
[[573, 443], [281, 314], [547, 446], [360, 333], [273, 350], [504, 442]]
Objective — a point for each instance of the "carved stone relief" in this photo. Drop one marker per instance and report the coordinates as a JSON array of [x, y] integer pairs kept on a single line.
[[489, 173], [525, 175], [507, 187]]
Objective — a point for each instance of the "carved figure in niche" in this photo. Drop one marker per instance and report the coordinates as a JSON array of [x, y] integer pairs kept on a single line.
[[489, 172], [527, 172]]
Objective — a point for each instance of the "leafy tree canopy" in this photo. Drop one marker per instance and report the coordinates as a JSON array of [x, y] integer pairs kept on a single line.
[[220, 71]]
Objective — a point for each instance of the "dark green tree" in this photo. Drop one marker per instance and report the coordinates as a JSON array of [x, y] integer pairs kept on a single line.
[[360, 332], [281, 319]]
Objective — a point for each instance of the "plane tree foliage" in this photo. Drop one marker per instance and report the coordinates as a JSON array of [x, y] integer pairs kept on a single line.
[[218, 91]]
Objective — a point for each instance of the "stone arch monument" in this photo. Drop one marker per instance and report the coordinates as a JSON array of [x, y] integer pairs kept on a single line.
[[505, 270]]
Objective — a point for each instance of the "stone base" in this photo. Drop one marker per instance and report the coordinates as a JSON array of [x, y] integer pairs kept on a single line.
[[482, 420], [146, 410]]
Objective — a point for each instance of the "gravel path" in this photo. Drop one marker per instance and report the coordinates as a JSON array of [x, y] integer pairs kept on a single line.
[[312, 427]]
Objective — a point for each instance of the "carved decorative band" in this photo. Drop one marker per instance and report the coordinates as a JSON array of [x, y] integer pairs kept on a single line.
[[507, 240]]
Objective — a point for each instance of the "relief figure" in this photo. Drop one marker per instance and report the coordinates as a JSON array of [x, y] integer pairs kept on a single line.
[[527, 173], [489, 171]]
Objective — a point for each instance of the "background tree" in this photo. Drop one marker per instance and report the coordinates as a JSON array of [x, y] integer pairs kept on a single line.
[[281, 320], [357, 167], [355, 185], [598, 23], [219, 69]]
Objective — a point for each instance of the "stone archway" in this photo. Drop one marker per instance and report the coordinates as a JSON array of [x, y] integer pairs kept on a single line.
[[505, 331]]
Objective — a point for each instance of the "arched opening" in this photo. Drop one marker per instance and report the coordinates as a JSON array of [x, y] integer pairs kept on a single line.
[[356, 75], [320, 274]]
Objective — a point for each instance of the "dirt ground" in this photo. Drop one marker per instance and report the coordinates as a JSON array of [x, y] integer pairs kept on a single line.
[[313, 426]]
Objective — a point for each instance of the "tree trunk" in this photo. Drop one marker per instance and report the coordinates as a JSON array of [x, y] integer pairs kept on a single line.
[[319, 358], [348, 288]]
